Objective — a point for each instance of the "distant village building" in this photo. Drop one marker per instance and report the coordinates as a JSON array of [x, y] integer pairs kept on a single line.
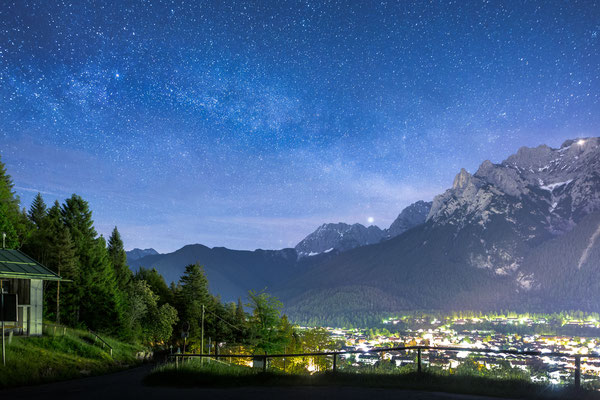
[[23, 276]]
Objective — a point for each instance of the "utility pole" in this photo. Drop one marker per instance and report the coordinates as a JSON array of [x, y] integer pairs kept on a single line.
[[58, 300], [2, 316], [202, 336]]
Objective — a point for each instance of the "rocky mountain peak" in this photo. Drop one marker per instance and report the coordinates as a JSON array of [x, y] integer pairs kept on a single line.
[[462, 179], [137, 254], [535, 194], [338, 236], [413, 215], [341, 236]]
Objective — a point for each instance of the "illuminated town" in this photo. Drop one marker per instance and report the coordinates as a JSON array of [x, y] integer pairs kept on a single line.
[[571, 336]]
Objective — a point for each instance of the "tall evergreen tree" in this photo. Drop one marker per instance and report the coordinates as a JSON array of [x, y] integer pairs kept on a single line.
[[62, 259], [101, 306], [11, 219], [37, 244], [37, 211], [77, 217], [240, 322], [191, 296], [240, 315], [118, 259]]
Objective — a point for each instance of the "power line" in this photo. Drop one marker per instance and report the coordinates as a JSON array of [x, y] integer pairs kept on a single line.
[[227, 322]]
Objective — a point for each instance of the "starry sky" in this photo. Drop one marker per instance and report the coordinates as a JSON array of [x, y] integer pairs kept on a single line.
[[247, 124]]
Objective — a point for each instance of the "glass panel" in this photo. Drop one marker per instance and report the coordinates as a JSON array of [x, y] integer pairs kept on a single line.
[[22, 288]]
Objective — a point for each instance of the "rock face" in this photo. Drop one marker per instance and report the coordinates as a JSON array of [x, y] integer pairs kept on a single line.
[[527, 199], [562, 182], [136, 254], [411, 216], [340, 237], [523, 234]]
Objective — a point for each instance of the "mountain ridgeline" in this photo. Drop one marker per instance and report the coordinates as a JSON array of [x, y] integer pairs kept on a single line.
[[522, 234], [136, 254], [342, 237], [232, 273]]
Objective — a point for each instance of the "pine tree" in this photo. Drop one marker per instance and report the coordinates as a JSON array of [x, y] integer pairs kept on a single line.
[[101, 305], [37, 211], [37, 244], [191, 296], [77, 217], [10, 216], [240, 322], [63, 261], [240, 315], [118, 259]]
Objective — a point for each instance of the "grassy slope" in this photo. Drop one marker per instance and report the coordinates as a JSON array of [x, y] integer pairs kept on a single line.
[[33, 360], [220, 375]]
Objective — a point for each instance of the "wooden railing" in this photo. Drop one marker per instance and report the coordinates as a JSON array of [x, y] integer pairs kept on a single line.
[[334, 354], [104, 343]]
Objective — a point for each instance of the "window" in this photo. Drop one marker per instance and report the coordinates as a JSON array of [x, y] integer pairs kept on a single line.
[[22, 288]]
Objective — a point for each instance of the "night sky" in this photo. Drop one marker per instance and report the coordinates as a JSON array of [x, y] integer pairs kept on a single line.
[[248, 124]]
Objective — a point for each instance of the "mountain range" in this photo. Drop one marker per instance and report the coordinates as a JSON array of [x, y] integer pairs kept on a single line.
[[136, 253], [521, 234], [342, 237], [231, 273]]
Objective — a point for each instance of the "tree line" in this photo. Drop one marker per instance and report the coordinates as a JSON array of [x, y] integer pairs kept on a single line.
[[102, 293]]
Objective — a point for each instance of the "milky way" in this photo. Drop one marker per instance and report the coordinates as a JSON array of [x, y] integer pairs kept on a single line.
[[247, 124]]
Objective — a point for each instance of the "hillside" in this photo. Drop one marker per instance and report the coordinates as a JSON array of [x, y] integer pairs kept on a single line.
[[70, 354], [231, 273]]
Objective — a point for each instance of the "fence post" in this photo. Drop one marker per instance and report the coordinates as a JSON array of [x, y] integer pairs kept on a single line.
[[176, 362], [265, 363], [577, 372], [419, 361], [334, 362]]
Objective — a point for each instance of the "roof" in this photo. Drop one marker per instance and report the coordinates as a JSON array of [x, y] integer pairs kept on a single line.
[[16, 264]]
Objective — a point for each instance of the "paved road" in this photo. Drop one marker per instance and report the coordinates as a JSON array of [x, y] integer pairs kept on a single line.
[[128, 384]]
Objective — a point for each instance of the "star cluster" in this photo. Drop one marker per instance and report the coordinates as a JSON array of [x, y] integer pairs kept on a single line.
[[248, 123]]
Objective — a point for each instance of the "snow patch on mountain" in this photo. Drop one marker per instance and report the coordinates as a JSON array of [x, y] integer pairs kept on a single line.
[[533, 195], [338, 236], [342, 237], [136, 253], [586, 252]]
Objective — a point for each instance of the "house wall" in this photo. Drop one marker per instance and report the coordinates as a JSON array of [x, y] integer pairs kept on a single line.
[[35, 310]]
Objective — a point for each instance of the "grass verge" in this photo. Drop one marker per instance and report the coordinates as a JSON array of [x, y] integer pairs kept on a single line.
[[34, 360], [194, 374]]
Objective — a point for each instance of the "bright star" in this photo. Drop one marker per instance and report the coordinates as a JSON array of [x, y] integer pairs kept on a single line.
[[370, 220]]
